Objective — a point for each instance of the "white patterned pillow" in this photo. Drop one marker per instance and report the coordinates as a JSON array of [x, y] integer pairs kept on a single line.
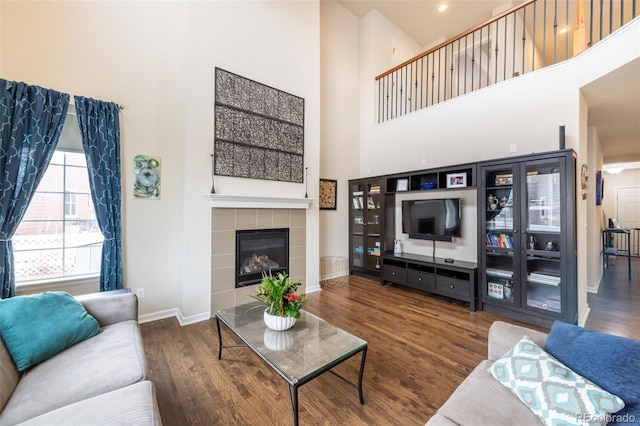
[[557, 395]]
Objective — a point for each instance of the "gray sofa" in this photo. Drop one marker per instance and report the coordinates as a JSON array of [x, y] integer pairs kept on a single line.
[[482, 400], [101, 380]]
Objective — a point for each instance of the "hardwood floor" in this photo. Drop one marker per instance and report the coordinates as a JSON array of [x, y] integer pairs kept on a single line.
[[615, 308], [421, 347]]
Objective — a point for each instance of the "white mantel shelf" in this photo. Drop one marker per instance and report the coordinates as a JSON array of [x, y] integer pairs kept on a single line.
[[222, 201]]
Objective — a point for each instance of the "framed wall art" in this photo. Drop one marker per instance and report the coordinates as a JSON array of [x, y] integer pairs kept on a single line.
[[456, 180], [328, 194], [402, 185], [599, 188], [146, 176], [259, 130]]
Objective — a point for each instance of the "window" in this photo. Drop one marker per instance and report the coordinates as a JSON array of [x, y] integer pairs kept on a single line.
[[59, 234], [70, 204]]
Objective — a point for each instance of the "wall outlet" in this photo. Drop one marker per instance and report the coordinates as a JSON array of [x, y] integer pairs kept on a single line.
[[140, 293], [423, 162], [513, 148]]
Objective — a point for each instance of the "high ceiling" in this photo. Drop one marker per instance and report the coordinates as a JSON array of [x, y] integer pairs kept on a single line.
[[614, 100], [422, 21]]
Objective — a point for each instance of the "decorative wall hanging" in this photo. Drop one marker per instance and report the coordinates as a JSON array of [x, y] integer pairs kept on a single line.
[[146, 176], [259, 130], [584, 180], [328, 194]]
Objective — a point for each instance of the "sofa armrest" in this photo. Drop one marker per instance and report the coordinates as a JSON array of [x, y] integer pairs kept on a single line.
[[110, 308], [504, 336]]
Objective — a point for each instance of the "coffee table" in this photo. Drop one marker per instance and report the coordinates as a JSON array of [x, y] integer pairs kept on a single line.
[[312, 347]]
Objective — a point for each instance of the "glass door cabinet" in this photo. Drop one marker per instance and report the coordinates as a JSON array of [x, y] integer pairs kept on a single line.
[[528, 253], [366, 223]]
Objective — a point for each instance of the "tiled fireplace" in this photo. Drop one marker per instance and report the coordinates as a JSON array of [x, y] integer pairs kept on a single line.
[[224, 224]]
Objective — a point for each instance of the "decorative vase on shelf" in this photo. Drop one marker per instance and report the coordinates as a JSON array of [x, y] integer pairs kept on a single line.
[[278, 323]]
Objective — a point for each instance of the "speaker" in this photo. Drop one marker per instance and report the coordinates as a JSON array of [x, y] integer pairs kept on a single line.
[[561, 138]]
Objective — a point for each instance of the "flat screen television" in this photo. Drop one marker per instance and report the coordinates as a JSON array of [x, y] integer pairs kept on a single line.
[[437, 219]]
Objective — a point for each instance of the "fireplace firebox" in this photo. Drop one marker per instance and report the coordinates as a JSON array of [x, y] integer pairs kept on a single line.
[[260, 251]]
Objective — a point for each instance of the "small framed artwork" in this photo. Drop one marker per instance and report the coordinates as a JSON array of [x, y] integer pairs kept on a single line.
[[506, 179], [402, 185], [146, 176], [456, 180], [328, 194]]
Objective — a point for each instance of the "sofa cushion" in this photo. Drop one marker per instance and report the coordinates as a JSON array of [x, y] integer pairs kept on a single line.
[[132, 405], [482, 400], [611, 362], [111, 360], [551, 390], [36, 327]]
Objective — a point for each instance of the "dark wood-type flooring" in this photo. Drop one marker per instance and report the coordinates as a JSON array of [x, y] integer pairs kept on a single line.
[[421, 347]]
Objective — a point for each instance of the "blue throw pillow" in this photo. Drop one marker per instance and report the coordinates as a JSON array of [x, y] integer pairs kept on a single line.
[[611, 362], [34, 328]]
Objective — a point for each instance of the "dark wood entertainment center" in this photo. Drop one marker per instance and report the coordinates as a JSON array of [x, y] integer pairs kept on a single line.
[[456, 280], [526, 267]]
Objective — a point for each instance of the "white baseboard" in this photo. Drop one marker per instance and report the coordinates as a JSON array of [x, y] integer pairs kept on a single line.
[[591, 289], [313, 288], [192, 319], [585, 315], [175, 313]]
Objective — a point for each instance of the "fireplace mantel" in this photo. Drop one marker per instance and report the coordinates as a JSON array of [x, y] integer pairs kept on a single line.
[[223, 201]]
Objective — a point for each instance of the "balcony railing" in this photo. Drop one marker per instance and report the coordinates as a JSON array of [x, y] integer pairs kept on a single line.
[[528, 37]]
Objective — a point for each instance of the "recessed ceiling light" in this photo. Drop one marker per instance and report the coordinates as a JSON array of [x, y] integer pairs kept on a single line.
[[442, 7]]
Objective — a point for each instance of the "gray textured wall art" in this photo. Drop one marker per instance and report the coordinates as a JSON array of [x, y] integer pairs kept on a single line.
[[259, 130]]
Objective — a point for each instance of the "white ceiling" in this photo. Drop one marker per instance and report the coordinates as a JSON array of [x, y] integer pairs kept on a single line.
[[614, 100]]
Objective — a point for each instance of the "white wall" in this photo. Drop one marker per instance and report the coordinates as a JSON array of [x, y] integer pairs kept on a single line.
[[478, 126], [594, 214], [377, 35], [157, 59], [339, 115]]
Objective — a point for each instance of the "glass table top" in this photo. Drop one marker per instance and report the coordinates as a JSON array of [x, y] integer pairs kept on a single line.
[[305, 349]]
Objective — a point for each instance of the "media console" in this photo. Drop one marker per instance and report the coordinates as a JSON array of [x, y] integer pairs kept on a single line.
[[455, 280]]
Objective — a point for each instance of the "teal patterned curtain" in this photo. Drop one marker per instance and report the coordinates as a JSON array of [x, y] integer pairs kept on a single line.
[[31, 120], [100, 131]]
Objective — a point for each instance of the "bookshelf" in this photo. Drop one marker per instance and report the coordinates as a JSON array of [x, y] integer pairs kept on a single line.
[[366, 213]]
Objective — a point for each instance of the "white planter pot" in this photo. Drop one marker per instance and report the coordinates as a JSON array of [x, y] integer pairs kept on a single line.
[[278, 323]]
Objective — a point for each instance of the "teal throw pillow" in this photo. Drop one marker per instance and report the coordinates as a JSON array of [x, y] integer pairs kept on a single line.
[[34, 328], [557, 395]]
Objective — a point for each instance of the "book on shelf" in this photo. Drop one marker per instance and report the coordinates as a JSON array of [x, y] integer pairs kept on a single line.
[[500, 273], [539, 278], [375, 189], [370, 203], [496, 290], [357, 203], [499, 240]]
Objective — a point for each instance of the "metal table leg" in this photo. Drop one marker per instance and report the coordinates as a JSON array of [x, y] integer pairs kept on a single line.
[[364, 357], [219, 338], [293, 399]]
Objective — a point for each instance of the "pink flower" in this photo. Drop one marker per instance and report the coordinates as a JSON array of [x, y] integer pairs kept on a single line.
[[291, 297]]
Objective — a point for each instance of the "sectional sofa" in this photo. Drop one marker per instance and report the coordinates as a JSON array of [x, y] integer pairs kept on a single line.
[[100, 380], [611, 365]]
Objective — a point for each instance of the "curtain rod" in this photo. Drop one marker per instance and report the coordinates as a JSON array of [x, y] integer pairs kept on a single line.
[[73, 104]]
